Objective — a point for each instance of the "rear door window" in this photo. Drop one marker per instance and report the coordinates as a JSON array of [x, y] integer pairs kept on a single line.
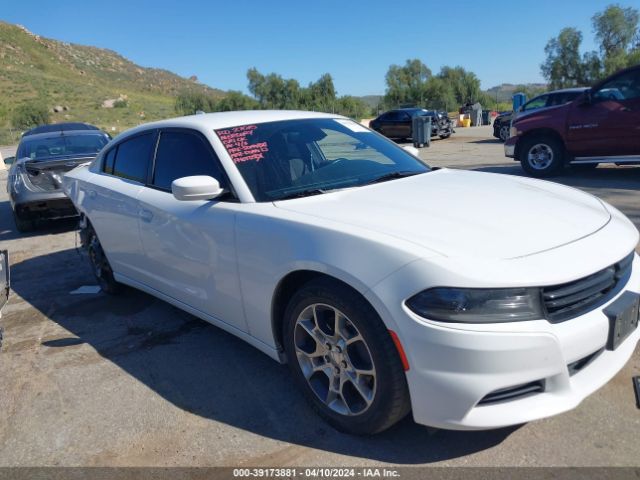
[[132, 158], [183, 154]]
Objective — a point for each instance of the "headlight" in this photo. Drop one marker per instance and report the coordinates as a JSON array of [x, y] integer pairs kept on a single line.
[[513, 132], [478, 305]]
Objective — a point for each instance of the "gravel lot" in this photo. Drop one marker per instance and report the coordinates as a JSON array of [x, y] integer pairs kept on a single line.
[[89, 379]]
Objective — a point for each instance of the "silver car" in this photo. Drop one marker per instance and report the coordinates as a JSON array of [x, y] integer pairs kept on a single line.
[[44, 154]]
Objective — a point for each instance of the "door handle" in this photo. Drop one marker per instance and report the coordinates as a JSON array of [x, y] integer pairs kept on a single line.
[[146, 215]]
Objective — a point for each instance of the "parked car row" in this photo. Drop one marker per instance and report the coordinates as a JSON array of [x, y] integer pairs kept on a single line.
[[387, 286], [600, 125]]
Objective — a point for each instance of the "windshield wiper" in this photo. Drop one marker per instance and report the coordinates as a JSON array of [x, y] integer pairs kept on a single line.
[[391, 176], [301, 193]]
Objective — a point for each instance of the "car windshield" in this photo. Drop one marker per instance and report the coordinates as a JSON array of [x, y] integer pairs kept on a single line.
[[296, 158], [61, 145]]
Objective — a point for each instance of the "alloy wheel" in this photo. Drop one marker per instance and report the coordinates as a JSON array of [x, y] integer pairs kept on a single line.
[[335, 359], [540, 156]]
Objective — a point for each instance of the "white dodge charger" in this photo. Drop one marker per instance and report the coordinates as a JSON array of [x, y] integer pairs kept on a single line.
[[474, 300]]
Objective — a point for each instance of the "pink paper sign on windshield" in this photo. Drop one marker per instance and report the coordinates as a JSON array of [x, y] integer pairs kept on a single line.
[[236, 141]]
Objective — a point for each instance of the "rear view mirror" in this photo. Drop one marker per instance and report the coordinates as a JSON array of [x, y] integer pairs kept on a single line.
[[199, 187], [9, 160], [412, 150]]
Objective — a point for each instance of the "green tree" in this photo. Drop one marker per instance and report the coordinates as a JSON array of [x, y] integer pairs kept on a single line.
[[233, 101], [563, 65], [188, 103], [30, 115], [406, 84], [465, 85], [351, 107], [616, 30]]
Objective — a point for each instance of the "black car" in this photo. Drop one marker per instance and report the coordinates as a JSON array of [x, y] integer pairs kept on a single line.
[[44, 155], [502, 123], [398, 123]]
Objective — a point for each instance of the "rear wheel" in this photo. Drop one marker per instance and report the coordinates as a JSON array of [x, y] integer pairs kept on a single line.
[[344, 360], [23, 225], [541, 156], [100, 264]]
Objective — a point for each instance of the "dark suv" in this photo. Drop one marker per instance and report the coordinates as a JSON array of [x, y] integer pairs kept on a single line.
[[502, 123], [602, 125]]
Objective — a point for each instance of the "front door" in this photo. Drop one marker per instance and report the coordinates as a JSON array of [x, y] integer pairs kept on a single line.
[[609, 125], [189, 245]]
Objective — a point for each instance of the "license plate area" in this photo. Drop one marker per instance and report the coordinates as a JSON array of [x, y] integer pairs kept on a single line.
[[623, 318]]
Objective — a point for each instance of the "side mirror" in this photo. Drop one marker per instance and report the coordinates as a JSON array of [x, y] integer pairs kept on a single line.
[[9, 160], [199, 187], [412, 150]]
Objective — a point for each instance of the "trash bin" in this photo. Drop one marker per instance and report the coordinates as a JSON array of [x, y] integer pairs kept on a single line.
[[486, 119], [421, 131]]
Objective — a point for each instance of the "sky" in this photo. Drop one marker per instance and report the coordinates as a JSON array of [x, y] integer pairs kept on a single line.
[[355, 41]]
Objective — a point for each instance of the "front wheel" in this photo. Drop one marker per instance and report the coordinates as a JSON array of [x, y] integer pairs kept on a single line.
[[100, 264], [344, 360], [541, 156], [504, 132]]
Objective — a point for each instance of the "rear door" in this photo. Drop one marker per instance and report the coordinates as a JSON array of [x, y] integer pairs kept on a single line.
[[111, 202], [189, 246], [608, 126]]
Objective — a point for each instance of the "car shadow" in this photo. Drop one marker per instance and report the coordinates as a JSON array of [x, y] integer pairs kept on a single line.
[[8, 230], [487, 140], [208, 372]]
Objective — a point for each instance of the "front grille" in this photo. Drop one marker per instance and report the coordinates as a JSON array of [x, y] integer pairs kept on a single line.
[[572, 299], [511, 393]]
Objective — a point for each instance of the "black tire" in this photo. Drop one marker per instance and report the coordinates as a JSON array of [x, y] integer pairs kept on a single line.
[[390, 394], [541, 156], [584, 167], [23, 225], [504, 133], [100, 264]]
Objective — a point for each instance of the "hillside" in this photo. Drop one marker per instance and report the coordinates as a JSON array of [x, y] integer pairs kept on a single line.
[[83, 83], [505, 91]]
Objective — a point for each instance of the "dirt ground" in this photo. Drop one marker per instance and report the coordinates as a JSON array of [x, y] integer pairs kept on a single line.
[[90, 379]]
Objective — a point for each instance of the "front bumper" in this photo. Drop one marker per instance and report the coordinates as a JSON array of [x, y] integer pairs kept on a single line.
[[454, 368], [510, 147]]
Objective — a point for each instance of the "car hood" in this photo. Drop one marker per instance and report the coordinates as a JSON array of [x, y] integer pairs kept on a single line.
[[461, 213]]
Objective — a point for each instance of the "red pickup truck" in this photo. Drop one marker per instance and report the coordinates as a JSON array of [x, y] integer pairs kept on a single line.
[[600, 126]]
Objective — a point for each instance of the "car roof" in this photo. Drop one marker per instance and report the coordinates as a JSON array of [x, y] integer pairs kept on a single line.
[[215, 121], [574, 89], [60, 127], [60, 133]]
